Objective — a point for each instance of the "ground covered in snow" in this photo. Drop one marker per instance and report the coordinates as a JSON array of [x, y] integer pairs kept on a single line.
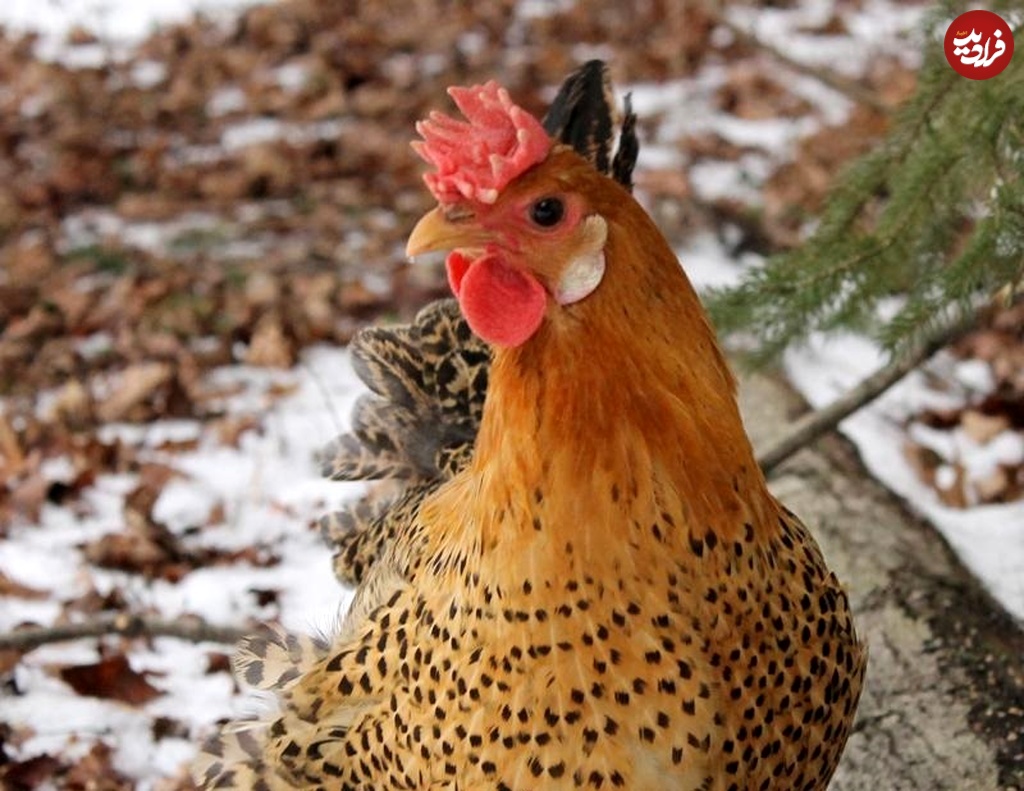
[[197, 213]]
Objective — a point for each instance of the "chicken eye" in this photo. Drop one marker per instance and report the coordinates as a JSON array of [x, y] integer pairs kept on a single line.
[[547, 212]]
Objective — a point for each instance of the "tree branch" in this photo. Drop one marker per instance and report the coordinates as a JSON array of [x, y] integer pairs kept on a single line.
[[189, 628], [814, 424]]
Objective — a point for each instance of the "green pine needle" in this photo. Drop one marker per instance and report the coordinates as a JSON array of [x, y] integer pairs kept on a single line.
[[933, 217]]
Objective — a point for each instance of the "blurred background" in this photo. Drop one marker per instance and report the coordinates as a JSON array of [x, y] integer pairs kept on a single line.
[[201, 202]]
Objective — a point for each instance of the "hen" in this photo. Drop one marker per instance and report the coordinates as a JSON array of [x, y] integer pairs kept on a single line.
[[602, 593]]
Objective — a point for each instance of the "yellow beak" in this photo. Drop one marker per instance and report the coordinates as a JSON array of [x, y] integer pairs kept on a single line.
[[445, 229]]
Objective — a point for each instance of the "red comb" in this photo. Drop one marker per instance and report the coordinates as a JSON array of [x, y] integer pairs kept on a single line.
[[475, 160]]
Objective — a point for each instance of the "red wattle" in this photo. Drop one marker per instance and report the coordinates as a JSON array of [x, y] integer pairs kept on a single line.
[[457, 265], [502, 305]]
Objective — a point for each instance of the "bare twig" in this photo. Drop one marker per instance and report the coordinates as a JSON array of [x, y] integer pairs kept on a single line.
[[814, 424], [191, 629]]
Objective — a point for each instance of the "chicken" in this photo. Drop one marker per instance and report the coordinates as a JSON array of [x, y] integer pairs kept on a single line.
[[601, 593], [415, 430]]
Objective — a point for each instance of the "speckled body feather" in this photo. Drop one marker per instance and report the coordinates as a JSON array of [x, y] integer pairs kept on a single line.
[[601, 594]]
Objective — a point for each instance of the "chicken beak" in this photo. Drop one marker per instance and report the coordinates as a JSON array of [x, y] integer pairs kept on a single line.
[[446, 228]]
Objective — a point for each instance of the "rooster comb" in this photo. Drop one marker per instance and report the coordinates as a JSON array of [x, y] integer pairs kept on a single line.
[[475, 159]]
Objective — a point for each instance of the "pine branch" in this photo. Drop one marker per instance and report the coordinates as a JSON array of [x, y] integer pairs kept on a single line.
[[190, 629], [931, 216], [814, 424]]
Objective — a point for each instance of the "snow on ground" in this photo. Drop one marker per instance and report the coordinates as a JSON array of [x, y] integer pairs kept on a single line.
[[989, 539], [117, 23], [271, 491]]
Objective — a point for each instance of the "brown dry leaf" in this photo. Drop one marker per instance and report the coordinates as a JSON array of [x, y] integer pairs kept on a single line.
[[30, 262], [168, 727], [269, 346], [265, 597], [29, 494], [270, 170], [224, 185], [79, 35], [278, 390], [95, 772], [16, 300], [356, 298], [891, 80], [229, 430], [73, 304], [72, 405], [112, 678], [9, 659], [985, 344], [134, 386], [10, 211], [217, 515], [92, 602], [993, 487], [10, 448], [834, 26], [139, 502], [217, 662], [9, 587], [710, 145], [38, 324], [154, 476], [666, 183], [178, 445], [983, 428], [110, 309], [126, 551], [256, 556], [954, 495], [750, 94], [924, 461], [28, 774], [262, 289]]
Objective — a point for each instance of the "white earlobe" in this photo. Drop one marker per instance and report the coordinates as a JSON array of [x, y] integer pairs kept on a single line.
[[585, 272], [580, 278]]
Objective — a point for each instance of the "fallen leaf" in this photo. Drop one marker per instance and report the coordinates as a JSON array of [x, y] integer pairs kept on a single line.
[[949, 484], [265, 596], [993, 487], [29, 494], [111, 678], [168, 727], [269, 346], [218, 662], [28, 774], [983, 428], [229, 430], [95, 771], [9, 587], [10, 449], [924, 461], [127, 552], [134, 386]]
